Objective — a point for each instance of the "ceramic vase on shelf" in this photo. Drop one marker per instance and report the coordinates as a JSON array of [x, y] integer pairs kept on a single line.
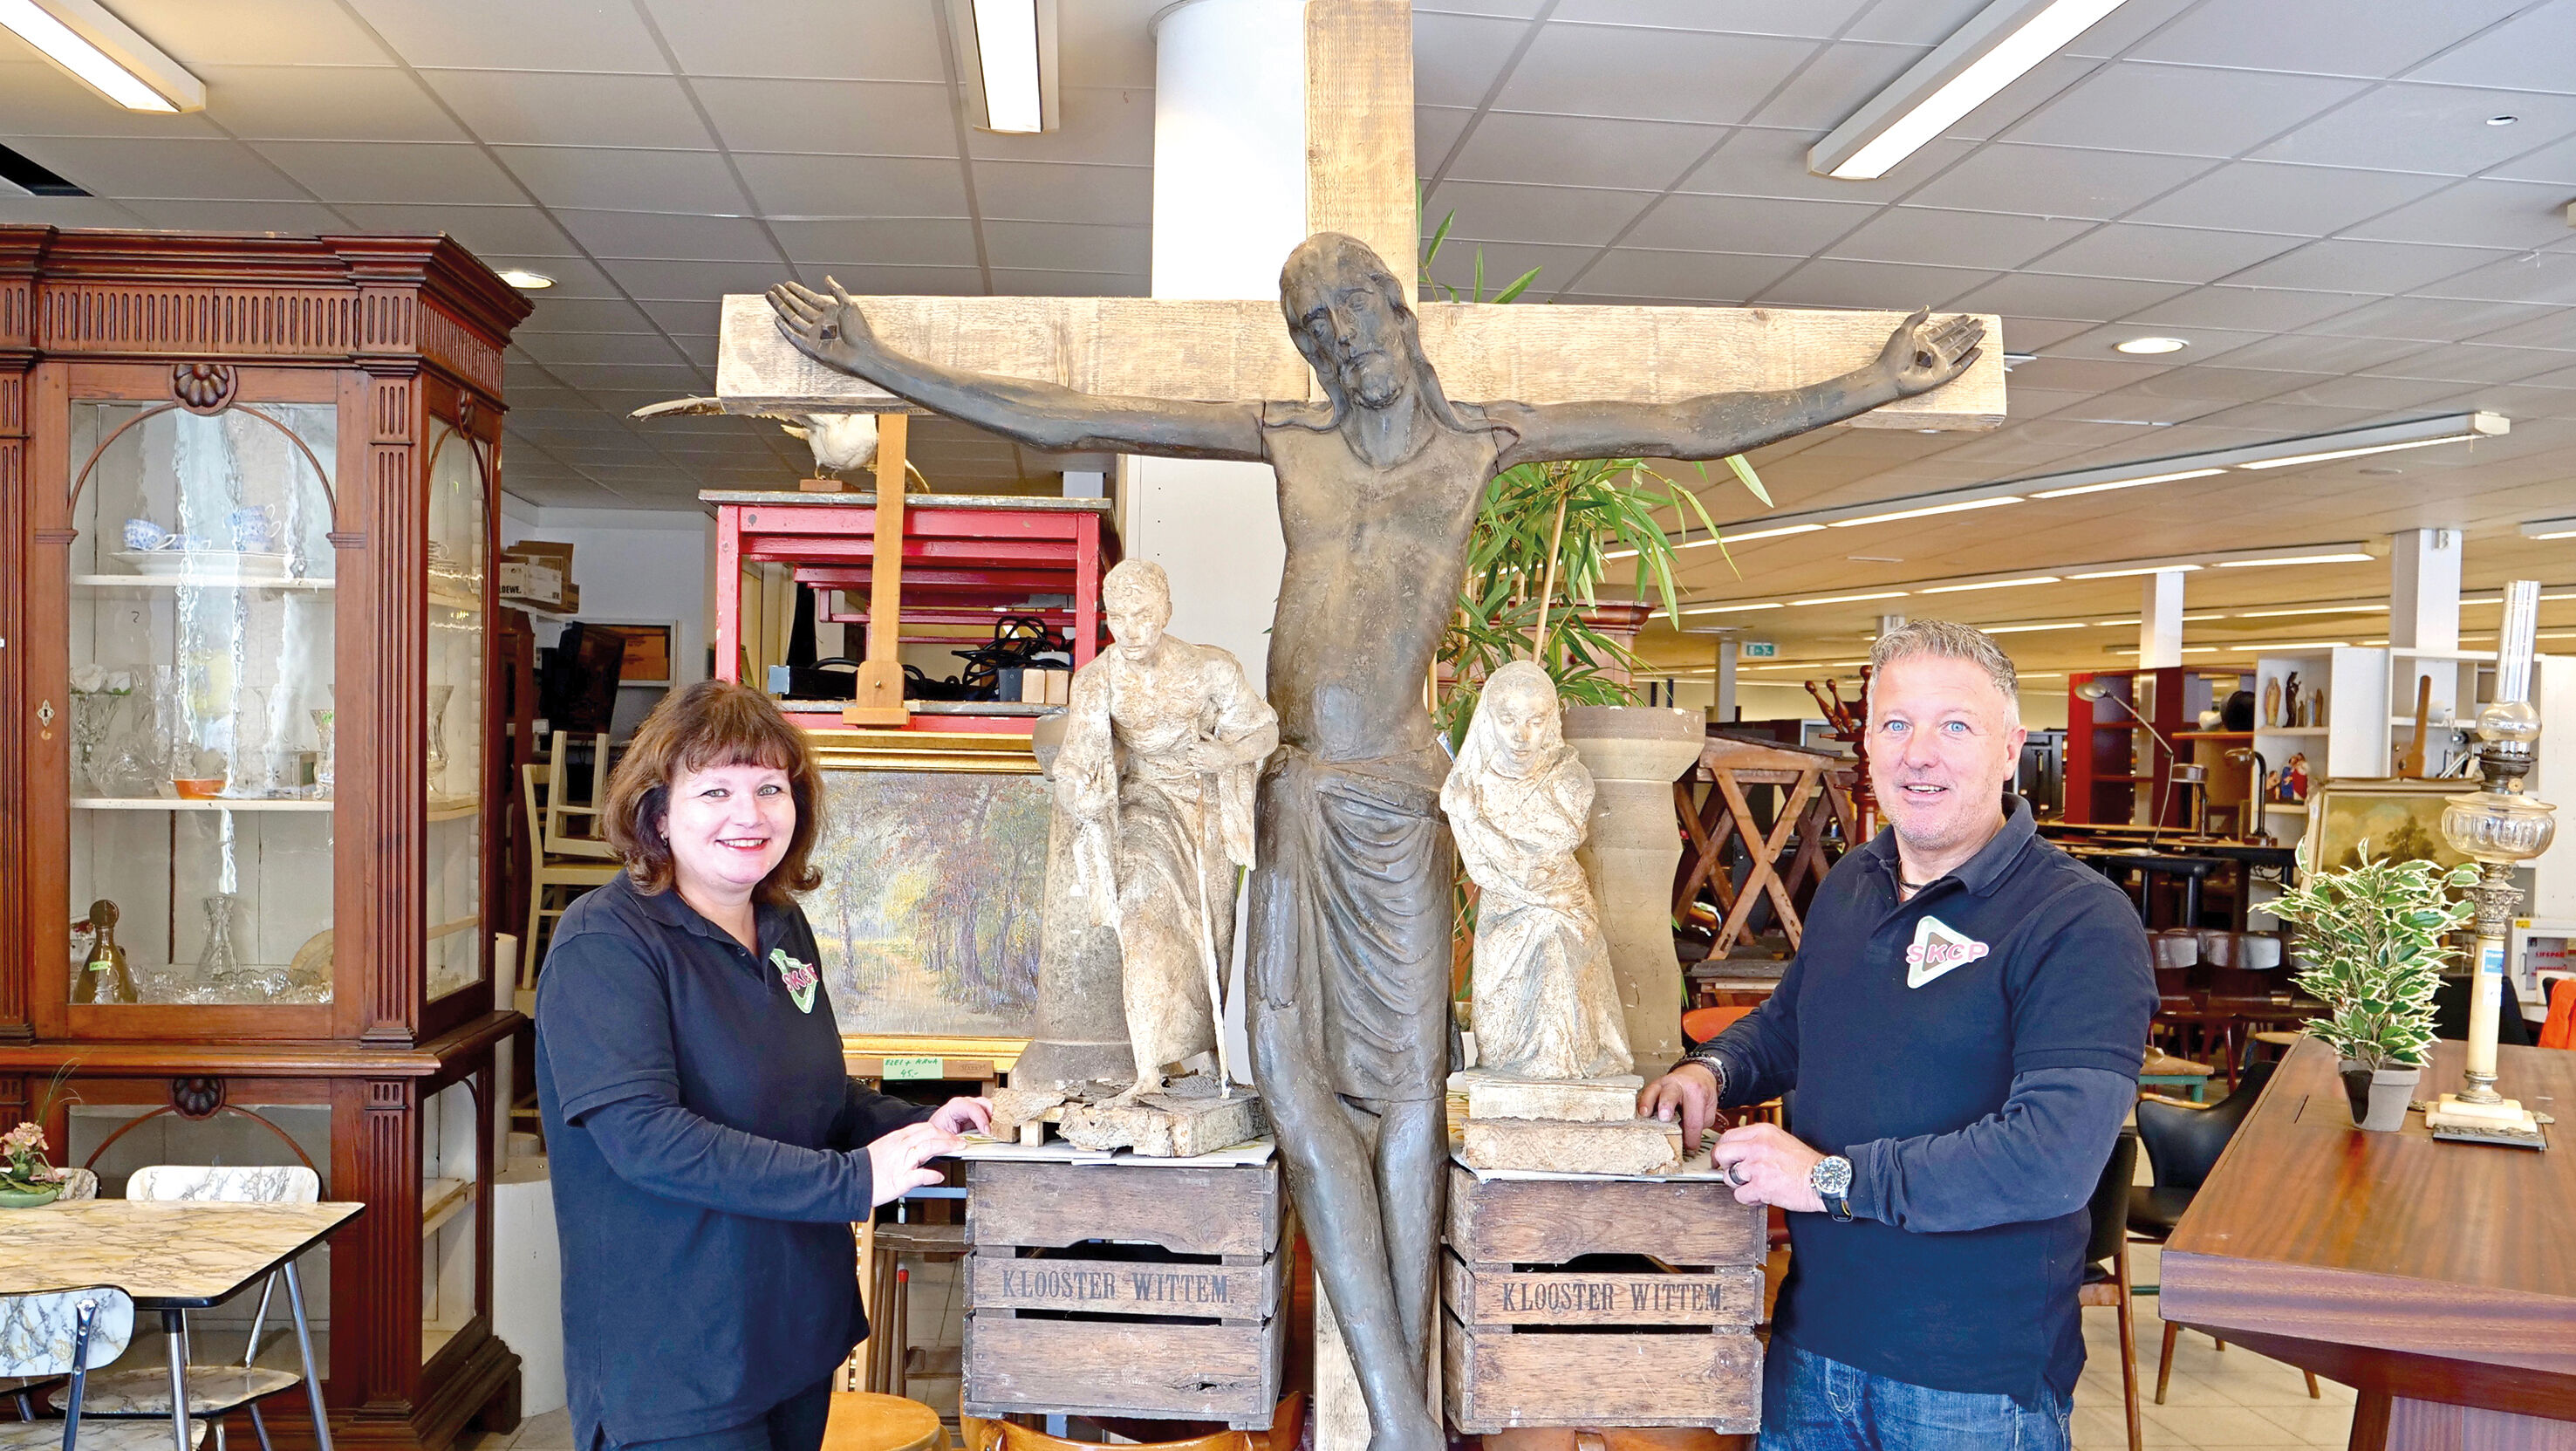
[[1635, 753]]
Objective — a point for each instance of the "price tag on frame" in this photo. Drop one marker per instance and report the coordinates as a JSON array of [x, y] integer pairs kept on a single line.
[[902, 1070]]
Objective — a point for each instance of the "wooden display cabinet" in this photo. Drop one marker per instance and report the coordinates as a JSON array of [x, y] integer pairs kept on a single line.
[[248, 493]]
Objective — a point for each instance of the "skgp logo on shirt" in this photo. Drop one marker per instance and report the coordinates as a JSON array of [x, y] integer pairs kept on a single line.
[[1937, 948]]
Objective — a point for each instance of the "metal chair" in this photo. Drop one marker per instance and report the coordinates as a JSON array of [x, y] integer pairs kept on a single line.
[[67, 1334], [213, 1390], [2106, 1266]]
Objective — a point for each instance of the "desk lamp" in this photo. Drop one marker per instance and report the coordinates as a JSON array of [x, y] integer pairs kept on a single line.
[[2499, 827], [2095, 690]]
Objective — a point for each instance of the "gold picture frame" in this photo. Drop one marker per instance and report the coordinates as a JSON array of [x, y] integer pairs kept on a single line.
[[907, 843], [2399, 817]]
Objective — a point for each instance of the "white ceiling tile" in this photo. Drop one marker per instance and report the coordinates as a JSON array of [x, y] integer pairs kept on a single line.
[[1987, 241], [214, 216], [611, 180], [584, 315], [1776, 225], [1571, 216], [2345, 265], [864, 278], [1457, 57], [2440, 129], [394, 171], [2056, 181], [558, 349], [1581, 151], [1817, 19], [2185, 110], [2030, 334], [2163, 254], [182, 169], [568, 35], [848, 118], [1031, 191], [2554, 164], [665, 281], [68, 211], [1108, 42], [1763, 161], [2261, 196], [2072, 297], [1717, 277], [1837, 80], [523, 230], [2279, 35], [2252, 308], [822, 39], [2478, 213], [2527, 53], [1664, 75], [557, 108], [1038, 282], [2526, 277], [253, 32], [902, 241], [1870, 284], [2439, 321], [1103, 126], [324, 103], [1435, 130], [2553, 328], [669, 235], [1069, 247], [2312, 352], [2378, 394], [1913, 22], [1456, 266]]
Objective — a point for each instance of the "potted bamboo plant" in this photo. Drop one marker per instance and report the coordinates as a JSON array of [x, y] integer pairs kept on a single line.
[[2371, 941]]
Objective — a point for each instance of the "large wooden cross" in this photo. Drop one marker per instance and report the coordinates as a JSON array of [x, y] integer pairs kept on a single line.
[[1361, 181]]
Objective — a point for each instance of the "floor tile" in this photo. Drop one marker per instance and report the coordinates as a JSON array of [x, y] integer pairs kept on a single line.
[[2097, 1426], [549, 1432], [2221, 1426], [2318, 1425]]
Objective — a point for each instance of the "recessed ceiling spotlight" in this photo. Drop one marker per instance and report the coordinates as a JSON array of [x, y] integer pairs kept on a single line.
[[2502, 120], [2150, 345], [525, 280]]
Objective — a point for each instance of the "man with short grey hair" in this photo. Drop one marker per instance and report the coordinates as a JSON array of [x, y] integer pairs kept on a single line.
[[1963, 1027]]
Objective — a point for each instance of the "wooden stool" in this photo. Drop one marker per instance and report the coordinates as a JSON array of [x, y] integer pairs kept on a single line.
[[1612, 1438], [1287, 1424], [864, 1422]]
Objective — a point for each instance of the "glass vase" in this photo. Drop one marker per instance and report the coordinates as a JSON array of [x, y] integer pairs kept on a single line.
[[439, 696]]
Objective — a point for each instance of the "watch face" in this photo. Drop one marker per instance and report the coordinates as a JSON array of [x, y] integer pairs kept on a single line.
[[1831, 1176]]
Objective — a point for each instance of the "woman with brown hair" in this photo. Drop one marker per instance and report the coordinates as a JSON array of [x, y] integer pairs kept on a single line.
[[709, 1152]]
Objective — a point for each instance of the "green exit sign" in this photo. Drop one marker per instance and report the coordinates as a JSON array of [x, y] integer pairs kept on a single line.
[[1759, 650]]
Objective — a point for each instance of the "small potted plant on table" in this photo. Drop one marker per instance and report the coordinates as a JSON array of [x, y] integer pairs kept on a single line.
[[2371, 943]]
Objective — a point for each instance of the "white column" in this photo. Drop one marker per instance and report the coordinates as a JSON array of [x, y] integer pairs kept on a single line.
[[1229, 205], [1724, 711], [2424, 590], [2160, 620], [1890, 622]]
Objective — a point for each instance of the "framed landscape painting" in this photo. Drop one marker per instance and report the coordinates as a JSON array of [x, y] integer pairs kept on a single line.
[[2400, 819], [934, 880]]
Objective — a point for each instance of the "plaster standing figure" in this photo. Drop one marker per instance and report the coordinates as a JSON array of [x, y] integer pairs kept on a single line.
[[1378, 486], [1519, 802], [1163, 745]]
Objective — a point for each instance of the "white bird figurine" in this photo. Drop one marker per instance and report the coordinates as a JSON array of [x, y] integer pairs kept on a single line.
[[839, 441]]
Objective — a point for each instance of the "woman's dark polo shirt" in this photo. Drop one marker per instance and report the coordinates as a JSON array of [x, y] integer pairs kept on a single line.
[[708, 1157]]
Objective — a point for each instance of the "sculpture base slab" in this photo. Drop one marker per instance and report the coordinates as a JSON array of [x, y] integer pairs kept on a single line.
[[1608, 1099], [1636, 1146], [1160, 1126], [2506, 1122], [1015, 1108]]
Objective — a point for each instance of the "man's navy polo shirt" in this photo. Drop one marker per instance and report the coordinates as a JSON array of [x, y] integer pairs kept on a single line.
[[708, 1155], [2062, 982]]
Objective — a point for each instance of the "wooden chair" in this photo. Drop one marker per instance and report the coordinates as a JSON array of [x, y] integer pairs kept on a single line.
[[2106, 1267], [545, 869], [559, 839], [1285, 1428]]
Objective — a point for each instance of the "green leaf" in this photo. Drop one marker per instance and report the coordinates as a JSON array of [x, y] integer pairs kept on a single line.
[[1518, 286], [1743, 468]]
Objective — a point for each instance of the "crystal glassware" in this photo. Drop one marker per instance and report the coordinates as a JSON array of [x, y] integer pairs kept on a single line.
[[324, 774], [217, 962], [93, 712], [439, 696]]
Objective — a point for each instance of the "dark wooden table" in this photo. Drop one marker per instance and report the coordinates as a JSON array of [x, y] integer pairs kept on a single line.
[[2438, 1279]]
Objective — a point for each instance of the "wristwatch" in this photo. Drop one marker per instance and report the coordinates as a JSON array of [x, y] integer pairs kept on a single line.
[[1831, 1179]]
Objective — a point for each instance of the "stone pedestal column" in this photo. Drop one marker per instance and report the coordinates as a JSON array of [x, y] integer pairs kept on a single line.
[[1635, 753], [1082, 1018]]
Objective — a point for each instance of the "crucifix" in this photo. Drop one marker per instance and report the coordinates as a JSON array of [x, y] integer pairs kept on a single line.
[[1379, 477]]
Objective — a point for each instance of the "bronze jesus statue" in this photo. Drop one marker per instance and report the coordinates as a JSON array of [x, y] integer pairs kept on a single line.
[[1378, 484]]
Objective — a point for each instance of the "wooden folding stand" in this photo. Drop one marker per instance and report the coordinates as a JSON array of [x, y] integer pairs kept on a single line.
[[1816, 793]]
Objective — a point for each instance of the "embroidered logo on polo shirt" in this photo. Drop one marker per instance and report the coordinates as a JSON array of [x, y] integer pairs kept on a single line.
[[1937, 948], [799, 977]]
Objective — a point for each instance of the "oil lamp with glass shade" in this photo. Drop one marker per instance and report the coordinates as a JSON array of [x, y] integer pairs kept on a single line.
[[2499, 827]]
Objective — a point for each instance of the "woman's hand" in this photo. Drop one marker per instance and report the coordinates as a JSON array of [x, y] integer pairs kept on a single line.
[[963, 1115], [895, 1161]]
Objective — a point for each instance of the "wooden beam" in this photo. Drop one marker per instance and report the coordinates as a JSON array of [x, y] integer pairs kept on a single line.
[[878, 699], [1359, 128], [1228, 350]]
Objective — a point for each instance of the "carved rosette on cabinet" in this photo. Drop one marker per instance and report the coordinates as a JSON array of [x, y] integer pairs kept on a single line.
[[218, 569]]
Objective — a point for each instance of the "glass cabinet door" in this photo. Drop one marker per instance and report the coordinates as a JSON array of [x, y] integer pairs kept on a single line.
[[201, 617], [453, 898]]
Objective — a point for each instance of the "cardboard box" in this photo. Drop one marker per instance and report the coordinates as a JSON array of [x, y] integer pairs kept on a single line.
[[536, 583]]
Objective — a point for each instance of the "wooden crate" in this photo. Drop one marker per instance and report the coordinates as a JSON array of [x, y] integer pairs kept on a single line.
[[1146, 1291], [1601, 1302]]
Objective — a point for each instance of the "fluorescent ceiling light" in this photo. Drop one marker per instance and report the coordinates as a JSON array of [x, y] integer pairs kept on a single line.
[[1732, 609], [1990, 52], [2026, 629], [2295, 460], [2295, 559], [2114, 624], [1930, 509], [2550, 529], [104, 54], [2313, 610], [2212, 615], [1748, 536], [518, 277], [1892, 594], [1012, 83], [2149, 347], [2141, 569], [1951, 589], [2125, 483]]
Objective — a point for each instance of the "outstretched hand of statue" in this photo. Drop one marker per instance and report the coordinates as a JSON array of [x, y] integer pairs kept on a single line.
[[1921, 354], [830, 330]]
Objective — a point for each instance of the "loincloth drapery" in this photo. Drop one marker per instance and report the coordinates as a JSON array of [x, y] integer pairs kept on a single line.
[[1351, 922]]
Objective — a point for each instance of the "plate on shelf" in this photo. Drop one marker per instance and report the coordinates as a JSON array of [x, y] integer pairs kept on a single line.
[[217, 563]]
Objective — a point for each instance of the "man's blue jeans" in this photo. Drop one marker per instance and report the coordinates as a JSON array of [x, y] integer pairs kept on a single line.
[[1810, 1403]]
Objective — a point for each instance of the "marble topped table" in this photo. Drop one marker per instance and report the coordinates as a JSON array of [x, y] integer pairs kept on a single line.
[[172, 1256]]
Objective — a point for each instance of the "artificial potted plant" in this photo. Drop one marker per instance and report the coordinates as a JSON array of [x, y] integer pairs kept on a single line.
[[2371, 941], [27, 1178]]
